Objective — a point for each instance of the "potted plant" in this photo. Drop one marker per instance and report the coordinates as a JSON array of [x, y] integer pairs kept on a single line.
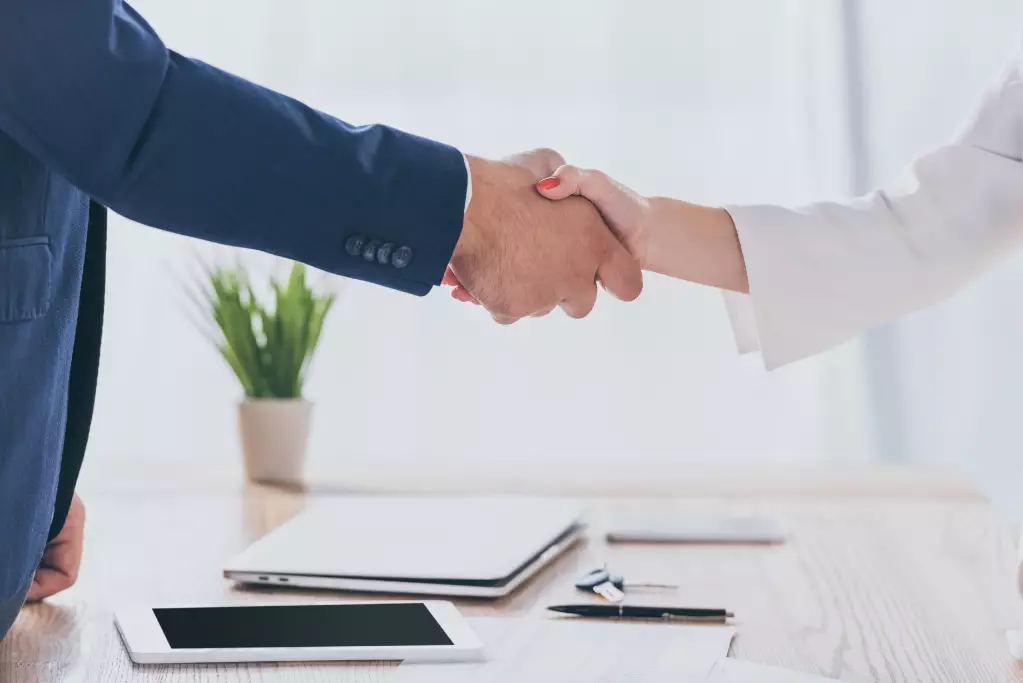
[[269, 349]]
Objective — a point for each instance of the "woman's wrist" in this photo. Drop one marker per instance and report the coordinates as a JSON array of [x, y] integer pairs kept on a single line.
[[655, 235], [694, 243], [668, 236]]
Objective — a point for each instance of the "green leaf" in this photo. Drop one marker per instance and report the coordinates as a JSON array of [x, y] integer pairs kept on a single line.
[[268, 349]]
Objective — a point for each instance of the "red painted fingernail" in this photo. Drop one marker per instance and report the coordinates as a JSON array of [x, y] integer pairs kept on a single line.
[[549, 183]]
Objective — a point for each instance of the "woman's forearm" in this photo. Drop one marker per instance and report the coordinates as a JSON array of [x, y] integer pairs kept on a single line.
[[695, 243]]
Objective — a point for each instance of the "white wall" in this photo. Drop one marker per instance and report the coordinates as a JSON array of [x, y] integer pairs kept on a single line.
[[960, 364], [725, 101]]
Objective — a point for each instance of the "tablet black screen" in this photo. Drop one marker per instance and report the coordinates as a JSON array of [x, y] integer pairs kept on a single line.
[[400, 624]]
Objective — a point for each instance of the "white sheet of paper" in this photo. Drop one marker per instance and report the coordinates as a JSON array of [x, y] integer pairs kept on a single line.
[[579, 651], [737, 671]]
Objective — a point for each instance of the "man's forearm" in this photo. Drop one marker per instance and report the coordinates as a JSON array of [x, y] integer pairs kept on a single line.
[[179, 145]]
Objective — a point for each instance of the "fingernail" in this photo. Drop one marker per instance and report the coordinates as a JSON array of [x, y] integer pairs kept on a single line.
[[549, 183]]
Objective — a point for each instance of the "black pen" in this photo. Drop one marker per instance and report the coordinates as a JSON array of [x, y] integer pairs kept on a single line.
[[643, 612]]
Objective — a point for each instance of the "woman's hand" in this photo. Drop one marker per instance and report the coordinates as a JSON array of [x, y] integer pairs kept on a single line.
[[629, 215], [667, 236], [459, 292]]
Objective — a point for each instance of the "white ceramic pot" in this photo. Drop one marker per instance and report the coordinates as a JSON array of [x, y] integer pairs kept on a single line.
[[274, 435]]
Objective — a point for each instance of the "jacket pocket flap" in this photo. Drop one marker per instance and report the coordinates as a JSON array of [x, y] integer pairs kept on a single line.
[[25, 272]]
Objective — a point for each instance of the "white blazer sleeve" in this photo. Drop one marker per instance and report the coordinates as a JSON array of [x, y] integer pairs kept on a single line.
[[822, 273]]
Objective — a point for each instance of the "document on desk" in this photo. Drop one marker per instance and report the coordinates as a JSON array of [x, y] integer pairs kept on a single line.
[[579, 651], [738, 671]]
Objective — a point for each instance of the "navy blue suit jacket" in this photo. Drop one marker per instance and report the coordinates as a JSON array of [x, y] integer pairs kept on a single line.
[[95, 110]]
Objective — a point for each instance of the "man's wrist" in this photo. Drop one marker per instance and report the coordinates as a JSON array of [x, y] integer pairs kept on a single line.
[[469, 240]]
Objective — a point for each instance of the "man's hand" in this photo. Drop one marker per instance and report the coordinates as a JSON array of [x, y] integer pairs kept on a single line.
[[58, 569], [522, 255]]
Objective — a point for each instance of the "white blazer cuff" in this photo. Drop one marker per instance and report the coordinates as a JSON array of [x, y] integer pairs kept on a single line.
[[788, 314]]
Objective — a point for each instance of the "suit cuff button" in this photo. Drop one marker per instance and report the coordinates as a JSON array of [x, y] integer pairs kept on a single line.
[[369, 252], [384, 253], [402, 257], [355, 244]]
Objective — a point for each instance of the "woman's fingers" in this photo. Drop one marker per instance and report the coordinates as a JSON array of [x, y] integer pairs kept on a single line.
[[459, 292], [625, 212], [450, 279], [620, 206]]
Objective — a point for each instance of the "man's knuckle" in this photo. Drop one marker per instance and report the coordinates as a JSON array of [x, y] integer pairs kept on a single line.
[[501, 308], [521, 310], [506, 306]]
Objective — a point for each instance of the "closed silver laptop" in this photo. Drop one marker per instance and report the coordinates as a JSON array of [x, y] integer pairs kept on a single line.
[[452, 545]]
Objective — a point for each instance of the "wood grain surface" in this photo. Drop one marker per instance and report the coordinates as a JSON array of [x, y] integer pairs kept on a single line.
[[890, 587]]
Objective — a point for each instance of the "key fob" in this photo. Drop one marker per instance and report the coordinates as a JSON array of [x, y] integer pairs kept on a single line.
[[602, 583]]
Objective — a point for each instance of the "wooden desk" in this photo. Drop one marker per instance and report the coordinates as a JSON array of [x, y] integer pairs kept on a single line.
[[897, 586]]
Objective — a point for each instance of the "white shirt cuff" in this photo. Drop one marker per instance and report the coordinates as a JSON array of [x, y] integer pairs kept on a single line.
[[468, 182], [743, 320]]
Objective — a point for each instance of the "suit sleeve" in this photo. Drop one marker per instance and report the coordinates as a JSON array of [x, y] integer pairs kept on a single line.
[[822, 273], [89, 88], [9, 609]]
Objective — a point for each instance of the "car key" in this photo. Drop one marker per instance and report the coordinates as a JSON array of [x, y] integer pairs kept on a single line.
[[611, 586]]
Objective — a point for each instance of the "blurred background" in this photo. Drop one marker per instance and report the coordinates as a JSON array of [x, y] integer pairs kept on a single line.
[[727, 102]]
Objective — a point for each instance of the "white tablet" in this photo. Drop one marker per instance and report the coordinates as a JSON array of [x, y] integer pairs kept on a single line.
[[409, 631]]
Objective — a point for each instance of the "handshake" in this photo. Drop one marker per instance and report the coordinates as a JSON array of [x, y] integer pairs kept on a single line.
[[521, 254]]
